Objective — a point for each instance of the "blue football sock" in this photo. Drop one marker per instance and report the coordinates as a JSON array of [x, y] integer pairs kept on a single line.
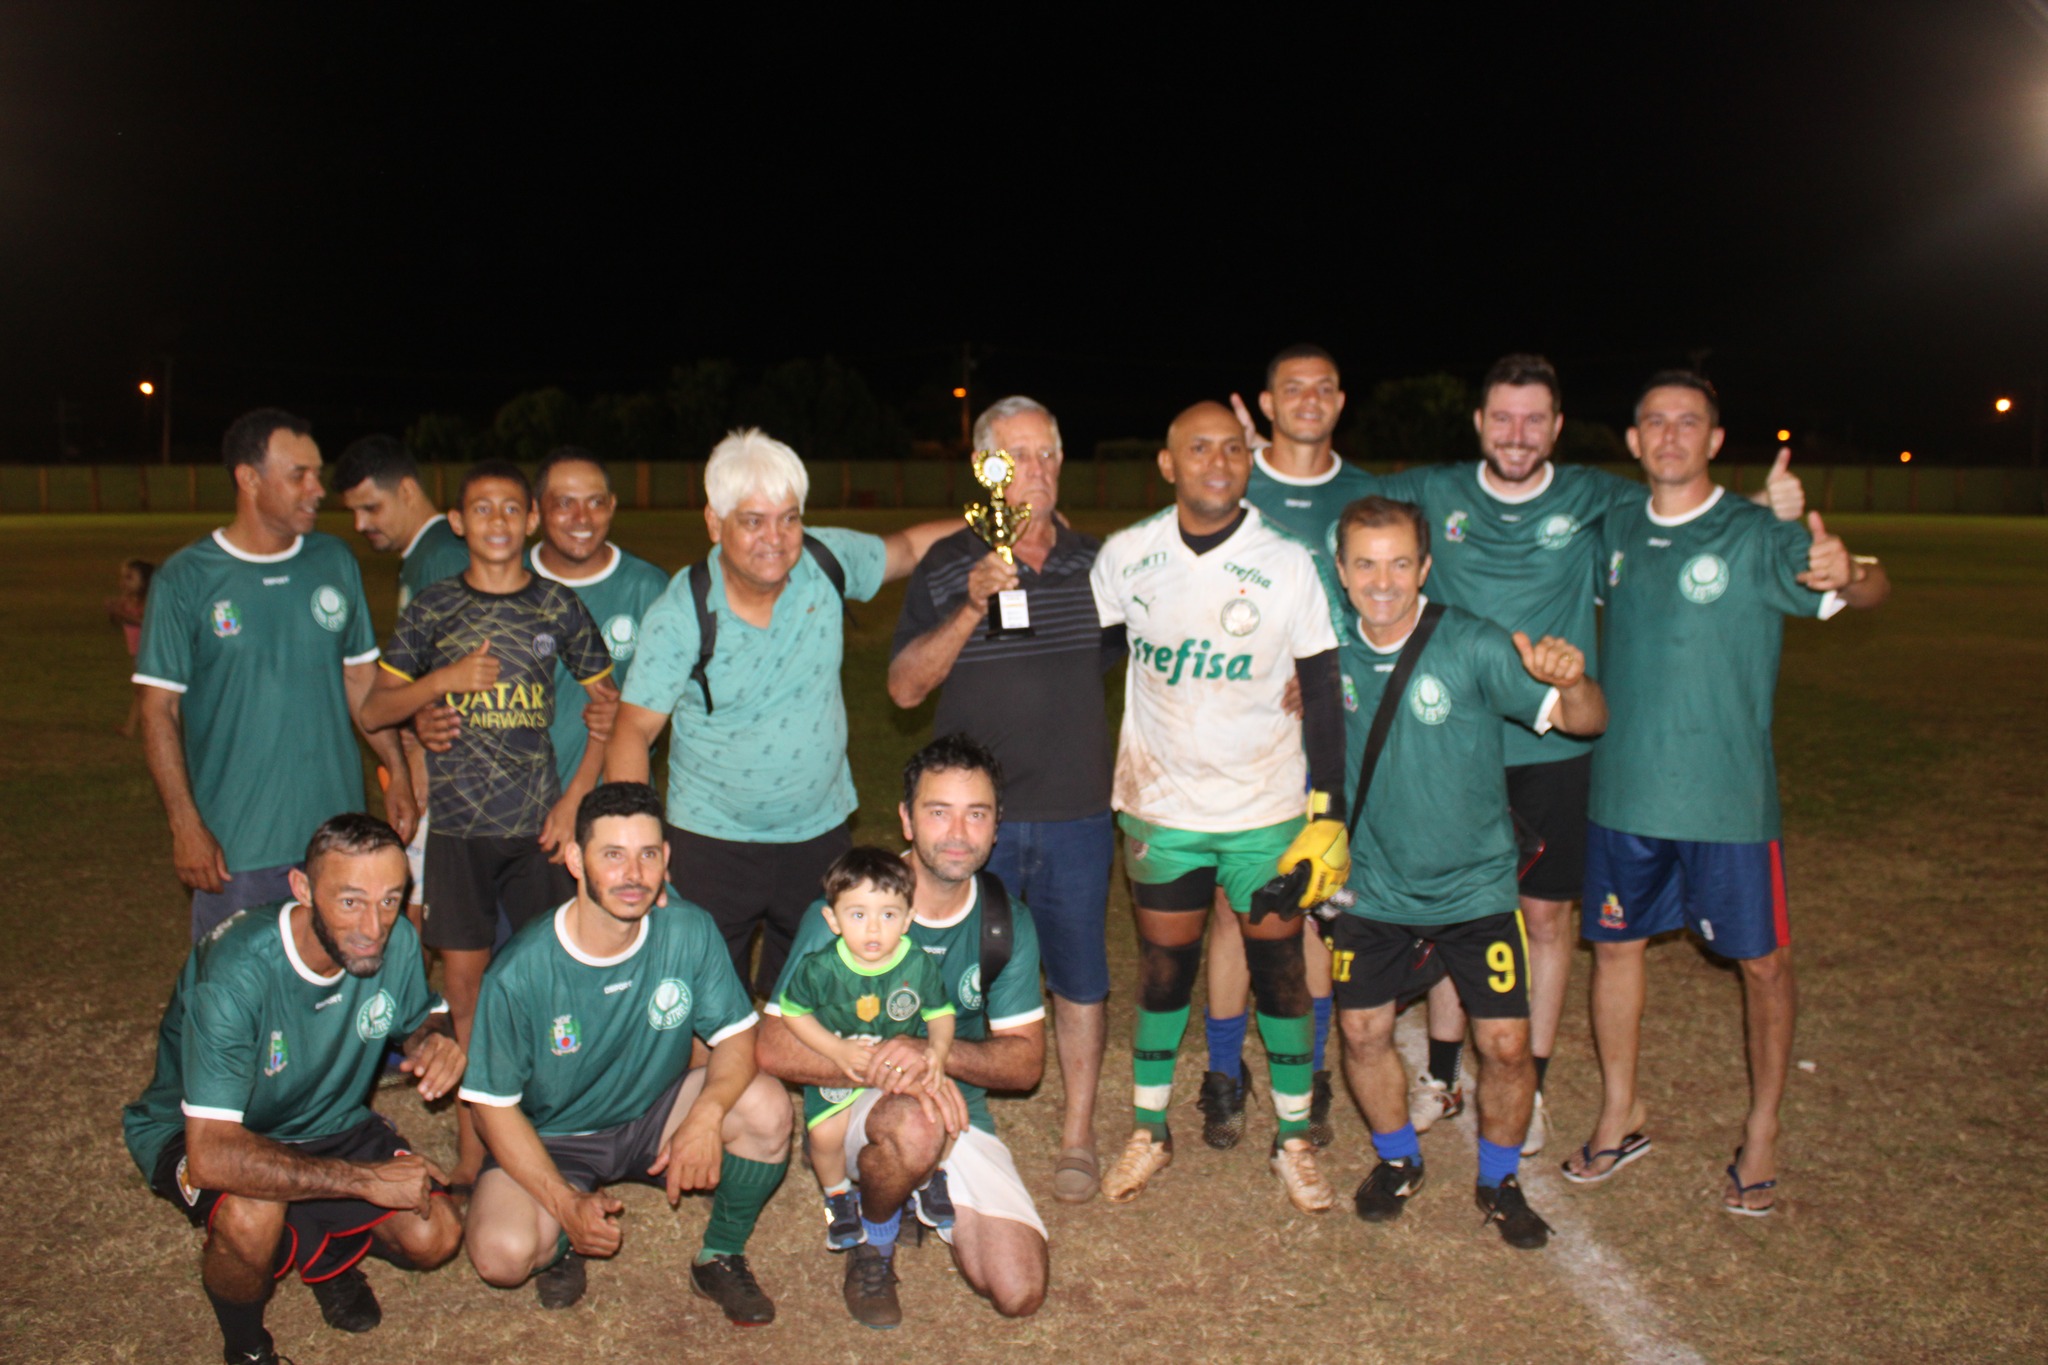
[[1497, 1163], [1322, 1008], [882, 1236], [1226, 1042], [1399, 1145]]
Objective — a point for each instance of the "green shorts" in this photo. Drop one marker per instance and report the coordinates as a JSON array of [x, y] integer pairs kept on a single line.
[[1240, 861]]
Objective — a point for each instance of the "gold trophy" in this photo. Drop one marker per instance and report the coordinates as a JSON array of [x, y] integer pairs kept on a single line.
[[1001, 524]]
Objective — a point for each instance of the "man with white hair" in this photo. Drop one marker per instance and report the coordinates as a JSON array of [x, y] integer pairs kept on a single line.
[[743, 653], [1035, 702]]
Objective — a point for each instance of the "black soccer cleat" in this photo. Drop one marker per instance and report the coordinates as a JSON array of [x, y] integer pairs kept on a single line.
[[729, 1282], [871, 1289], [1320, 1133], [347, 1302], [1222, 1106], [562, 1283], [1520, 1227], [1383, 1194]]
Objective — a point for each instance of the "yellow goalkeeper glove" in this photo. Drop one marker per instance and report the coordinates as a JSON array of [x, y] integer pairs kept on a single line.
[[1324, 846]]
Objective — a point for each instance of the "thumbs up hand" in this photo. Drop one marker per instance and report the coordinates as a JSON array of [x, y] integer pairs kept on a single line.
[[476, 671], [1828, 565], [1786, 495]]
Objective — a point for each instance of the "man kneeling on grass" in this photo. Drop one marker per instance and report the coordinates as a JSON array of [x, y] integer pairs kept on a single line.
[[582, 1074], [255, 1126]]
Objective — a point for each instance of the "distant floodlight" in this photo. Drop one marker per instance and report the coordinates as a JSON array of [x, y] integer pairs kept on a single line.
[[959, 393], [2002, 405], [1784, 435], [1905, 457], [147, 388]]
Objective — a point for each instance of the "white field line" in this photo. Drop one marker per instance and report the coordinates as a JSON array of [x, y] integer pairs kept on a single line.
[[1596, 1276]]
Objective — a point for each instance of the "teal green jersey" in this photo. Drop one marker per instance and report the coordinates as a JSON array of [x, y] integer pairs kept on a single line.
[[1524, 563], [955, 947], [1307, 509], [582, 1043], [616, 598], [767, 763], [254, 646], [436, 553], [1696, 609], [253, 1036], [1436, 844], [868, 1000]]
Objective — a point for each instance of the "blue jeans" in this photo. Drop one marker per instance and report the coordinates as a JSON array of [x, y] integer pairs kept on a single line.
[[1060, 869], [251, 886]]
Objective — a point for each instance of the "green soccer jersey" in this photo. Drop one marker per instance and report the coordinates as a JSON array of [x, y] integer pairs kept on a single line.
[[436, 553], [1696, 609], [856, 999], [499, 778], [1525, 563], [253, 1036], [1307, 509], [582, 1043], [254, 646], [1435, 844], [955, 947], [616, 598]]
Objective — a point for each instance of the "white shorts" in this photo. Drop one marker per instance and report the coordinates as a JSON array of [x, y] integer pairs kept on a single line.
[[980, 1173]]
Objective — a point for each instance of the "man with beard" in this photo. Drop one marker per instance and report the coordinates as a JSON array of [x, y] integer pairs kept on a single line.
[[581, 1074], [897, 1133], [1514, 539], [254, 1125], [256, 654]]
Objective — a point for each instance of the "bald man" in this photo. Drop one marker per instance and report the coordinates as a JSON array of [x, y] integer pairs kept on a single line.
[[1222, 611]]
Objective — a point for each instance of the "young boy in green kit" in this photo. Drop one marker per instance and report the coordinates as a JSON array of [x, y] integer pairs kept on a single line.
[[869, 985]]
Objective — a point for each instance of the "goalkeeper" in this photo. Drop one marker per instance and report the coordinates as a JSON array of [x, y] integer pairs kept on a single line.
[[1222, 610]]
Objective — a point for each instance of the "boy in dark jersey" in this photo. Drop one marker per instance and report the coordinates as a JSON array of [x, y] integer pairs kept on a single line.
[[869, 984], [486, 642]]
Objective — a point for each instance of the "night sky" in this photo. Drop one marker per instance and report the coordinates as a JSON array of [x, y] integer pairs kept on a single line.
[[362, 213]]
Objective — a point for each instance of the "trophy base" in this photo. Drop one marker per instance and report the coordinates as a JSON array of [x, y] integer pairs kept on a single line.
[[1009, 616]]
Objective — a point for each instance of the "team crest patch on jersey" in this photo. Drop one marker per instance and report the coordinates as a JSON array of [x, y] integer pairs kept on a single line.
[[543, 646], [1350, 694], [280, 1054], [226, 619], [1614, 569], [619, 636], [868, 1008], [374, 1019], [564, 1037], [1703, 579], [1611, 916], [330, 608], [905, 1002], [1557, 532], [669, 1005], [1430, 700], [837, 1094], [970, 988], [1240, 616], [1454, 525]]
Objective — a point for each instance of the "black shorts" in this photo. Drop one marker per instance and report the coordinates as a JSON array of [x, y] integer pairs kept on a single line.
[[1551, 798], [743, 886], [323, 1236], [1374, 963], [612, 1156], [469, 878]]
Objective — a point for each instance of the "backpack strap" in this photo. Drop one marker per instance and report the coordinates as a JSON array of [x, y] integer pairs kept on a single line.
[[1390, 702], [707, 628], [707, 624], [998, 929]]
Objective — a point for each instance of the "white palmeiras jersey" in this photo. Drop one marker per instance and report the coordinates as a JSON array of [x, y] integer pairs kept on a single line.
[[1206, 745]]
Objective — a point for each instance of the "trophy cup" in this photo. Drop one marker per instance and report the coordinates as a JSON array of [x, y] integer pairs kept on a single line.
[[1001, 524]]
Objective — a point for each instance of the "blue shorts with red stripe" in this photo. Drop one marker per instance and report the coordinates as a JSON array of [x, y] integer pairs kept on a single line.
[[1731, 895]]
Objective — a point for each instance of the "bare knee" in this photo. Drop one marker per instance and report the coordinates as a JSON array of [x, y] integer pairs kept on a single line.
[[1366, 1033], [1503, 1042], [431, 1243], [501, 1256], [758, 1121], [899, 1126], [1772, 969], [247, 1230]]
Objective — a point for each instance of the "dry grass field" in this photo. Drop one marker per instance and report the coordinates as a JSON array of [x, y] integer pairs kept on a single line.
[[1912, 742]]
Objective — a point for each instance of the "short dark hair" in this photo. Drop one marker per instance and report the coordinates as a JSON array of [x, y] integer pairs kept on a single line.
[[957, 752], [1518, 371], [144, 570], [878, 867], [1300, 350], [1374, 510], [609, 799], [493, 469], [248, 437], [561, 455], [1679, 379], [350, 832], [380, 459]]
